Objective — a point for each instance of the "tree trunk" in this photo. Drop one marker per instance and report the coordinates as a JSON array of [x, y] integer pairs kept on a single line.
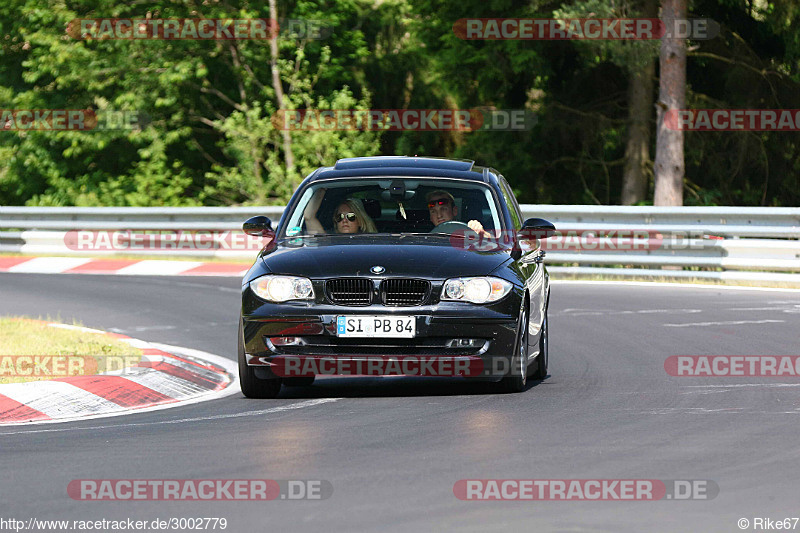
[[669, 167], [640, 104], [278, 87], [637, 150]]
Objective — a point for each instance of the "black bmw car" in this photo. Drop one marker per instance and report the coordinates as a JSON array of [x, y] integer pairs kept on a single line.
[[396, 265]]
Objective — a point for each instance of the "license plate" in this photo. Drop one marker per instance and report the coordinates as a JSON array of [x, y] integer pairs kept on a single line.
[[375, 326]]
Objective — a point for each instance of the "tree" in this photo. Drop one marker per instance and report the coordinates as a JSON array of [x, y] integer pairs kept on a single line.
[[637, 58], [637, 147], [640, 108], [669, 164], [209, 138]]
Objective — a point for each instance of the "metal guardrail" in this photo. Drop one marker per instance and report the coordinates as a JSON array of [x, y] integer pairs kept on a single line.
[[132, 218], [726, 240], [778, 222]]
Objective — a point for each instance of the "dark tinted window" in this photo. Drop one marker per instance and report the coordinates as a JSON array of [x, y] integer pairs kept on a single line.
[[473, 201], [511, 202]]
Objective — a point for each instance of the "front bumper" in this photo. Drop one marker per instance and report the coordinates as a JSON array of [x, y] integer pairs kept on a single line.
[[312, 328]]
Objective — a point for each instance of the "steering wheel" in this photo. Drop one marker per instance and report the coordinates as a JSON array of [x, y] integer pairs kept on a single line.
[[451, 226]]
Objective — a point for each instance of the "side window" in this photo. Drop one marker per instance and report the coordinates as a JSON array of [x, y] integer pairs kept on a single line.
[[511, 202], [296, 223]]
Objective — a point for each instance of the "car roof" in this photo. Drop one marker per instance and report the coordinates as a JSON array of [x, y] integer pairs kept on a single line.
[[403, 166]]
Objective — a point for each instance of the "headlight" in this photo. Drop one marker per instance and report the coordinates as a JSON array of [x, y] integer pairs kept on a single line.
[[282, 288], [476, 290]]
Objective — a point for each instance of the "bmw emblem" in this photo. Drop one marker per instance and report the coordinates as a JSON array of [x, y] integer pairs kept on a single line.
[[377, 269]]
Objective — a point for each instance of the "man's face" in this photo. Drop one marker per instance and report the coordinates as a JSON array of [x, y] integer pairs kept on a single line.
[[441, 210]]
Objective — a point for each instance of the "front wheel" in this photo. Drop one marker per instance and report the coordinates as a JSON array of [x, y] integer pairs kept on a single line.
[[252, 386], [517, 377], [544, 355]]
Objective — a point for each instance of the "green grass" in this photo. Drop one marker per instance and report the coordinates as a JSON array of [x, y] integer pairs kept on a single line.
[[21, 336]]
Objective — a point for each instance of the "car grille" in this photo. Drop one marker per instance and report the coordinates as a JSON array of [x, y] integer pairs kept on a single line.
[[401, 292], [349, 291], [394, 292]]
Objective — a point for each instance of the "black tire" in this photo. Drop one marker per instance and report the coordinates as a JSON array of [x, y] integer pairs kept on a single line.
[[252, 386], [517, 379], [304, 381], [544, 351]]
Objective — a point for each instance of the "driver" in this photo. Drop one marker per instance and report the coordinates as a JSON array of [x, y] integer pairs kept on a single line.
[[442, 208]]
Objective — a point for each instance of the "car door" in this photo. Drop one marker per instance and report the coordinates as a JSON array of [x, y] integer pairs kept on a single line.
[[530, 265]]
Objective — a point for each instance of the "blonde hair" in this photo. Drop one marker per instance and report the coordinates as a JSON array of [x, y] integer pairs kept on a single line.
[[365, 223]]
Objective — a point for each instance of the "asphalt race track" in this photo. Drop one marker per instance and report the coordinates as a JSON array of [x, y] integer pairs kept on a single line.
[[394, 448]]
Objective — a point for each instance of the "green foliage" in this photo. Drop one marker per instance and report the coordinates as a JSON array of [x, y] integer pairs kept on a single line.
[[209, 137], [627, 54], [208, 134]]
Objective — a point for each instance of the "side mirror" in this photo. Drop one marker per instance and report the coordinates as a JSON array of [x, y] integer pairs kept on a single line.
[[259, 226], [528, 237], [537, 228]]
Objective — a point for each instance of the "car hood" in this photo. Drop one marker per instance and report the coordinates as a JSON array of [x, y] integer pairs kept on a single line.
[[417, 255]]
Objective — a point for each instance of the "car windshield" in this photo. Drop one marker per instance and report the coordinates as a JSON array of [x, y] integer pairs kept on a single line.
[[392, 205]]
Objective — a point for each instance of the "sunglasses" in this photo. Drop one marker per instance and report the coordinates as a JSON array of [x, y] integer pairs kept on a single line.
[[338, 217], [441, 201]]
